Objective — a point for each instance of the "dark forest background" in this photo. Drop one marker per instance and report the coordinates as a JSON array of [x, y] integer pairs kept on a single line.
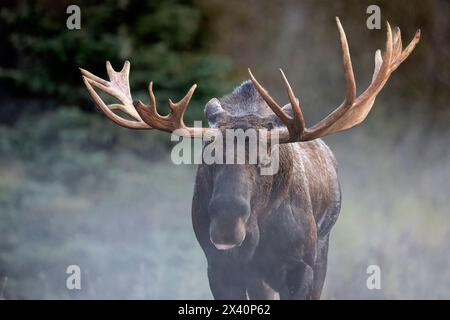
[[77, 189]]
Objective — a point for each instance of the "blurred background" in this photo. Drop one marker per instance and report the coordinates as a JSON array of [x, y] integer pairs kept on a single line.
[[77, 189]]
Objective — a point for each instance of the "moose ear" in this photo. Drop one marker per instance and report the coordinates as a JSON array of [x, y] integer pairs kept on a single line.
[[214, 112], [288, 109], [273, 118]]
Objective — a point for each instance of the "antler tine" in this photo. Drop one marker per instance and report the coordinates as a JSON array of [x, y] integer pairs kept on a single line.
[[298, 114], [350, 92], [269, 100], [348, 67], [389, 42], [405, 53], [296, 125], [93, 77], [180, 107], [152, 104], [378, 63], [397, 43]]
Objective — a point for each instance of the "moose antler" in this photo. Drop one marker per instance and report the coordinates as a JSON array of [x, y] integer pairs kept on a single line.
[[118, 87], [353, 110], [145, 116]]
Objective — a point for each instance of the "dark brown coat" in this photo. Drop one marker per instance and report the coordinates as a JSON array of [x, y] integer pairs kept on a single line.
[[279, 225]]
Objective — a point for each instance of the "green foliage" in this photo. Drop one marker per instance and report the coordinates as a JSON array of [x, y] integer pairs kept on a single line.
[[71, 147], [164, 43]]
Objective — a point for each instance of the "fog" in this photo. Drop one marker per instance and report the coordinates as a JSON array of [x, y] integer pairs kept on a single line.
[[131, 232]]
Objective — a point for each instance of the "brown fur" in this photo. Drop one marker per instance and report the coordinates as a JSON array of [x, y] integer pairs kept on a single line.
[[280, 224]]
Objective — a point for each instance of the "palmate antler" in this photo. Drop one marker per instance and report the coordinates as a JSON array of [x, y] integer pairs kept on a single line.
[[118, 87], [353, 110], [144, 116]]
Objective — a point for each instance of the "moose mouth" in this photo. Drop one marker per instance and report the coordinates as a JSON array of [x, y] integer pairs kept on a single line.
[[220, 246], [225, 246]]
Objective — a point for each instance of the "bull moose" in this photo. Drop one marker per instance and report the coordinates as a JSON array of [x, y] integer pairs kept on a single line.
[[264, 236]]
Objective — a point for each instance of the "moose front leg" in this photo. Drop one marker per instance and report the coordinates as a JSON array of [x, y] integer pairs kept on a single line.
[[298, 283], [257, 288], [227, 282]]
